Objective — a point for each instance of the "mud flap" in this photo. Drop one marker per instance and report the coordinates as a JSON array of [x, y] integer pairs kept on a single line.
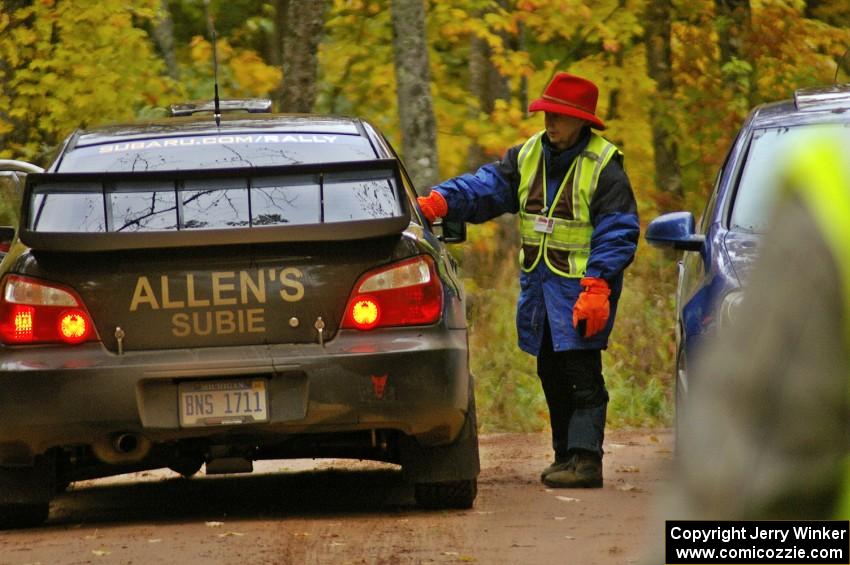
[[455, 462]]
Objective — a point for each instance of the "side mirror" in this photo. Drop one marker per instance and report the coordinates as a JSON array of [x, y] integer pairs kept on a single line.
[[675, 230], [450, 232]]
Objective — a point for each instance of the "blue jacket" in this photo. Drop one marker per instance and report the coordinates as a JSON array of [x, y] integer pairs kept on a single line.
[[544, 295]]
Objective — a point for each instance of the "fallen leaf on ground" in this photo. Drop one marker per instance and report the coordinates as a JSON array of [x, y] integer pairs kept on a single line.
[[569, 537], [214, 524], [228, 534], [626, 487], [301, 534], [154, 540], [100, 552], [568, 499], [628, 469], [560, 518], [451, 553]]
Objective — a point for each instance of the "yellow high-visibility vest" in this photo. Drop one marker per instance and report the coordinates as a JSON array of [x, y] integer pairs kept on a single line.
[[548, 235]]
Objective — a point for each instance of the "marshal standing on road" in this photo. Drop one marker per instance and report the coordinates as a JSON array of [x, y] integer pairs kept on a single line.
[[579, 230]]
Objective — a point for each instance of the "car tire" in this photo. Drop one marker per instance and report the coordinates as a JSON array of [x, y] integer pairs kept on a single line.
[[452, 494], [25, 494], [14, 516], [457, 493]]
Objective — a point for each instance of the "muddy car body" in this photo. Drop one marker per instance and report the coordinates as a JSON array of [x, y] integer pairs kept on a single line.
[[181, 294]]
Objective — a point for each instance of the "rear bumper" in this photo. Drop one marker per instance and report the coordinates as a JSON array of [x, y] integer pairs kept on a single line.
[[53, 397]]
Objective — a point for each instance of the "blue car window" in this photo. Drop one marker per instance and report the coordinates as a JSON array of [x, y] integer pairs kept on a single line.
[[754, 198]]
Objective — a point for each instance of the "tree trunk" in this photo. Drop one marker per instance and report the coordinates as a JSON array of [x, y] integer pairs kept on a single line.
[[614, 94], [415, 109], [668, 177], [733, 24], [163, 33], [487, 85], [522, 95], [299, 25]]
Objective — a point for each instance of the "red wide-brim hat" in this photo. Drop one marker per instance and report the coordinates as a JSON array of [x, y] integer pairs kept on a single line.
[[570, 95]]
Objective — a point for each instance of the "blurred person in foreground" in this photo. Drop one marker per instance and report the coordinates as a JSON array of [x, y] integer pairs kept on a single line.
[[767, 429], [579, 230]]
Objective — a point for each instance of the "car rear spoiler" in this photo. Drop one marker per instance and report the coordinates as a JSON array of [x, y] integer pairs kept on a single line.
[[108, 239]]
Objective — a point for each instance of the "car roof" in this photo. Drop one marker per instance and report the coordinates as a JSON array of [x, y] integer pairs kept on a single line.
[[230, 123], [830, 104]]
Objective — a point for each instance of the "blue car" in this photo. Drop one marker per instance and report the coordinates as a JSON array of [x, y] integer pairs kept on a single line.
[[720, 250]]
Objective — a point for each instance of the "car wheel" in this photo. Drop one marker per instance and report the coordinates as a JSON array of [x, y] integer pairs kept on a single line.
[[458, 493], [25, 494], [23, 515], [452, 494]]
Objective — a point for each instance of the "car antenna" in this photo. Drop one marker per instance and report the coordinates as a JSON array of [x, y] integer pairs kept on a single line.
[[211, 28]]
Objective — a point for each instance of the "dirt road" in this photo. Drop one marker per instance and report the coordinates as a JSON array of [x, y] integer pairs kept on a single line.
[[319, 512]]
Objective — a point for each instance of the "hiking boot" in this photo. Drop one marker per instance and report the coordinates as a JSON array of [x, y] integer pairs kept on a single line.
[[557, 465], [584, 472]]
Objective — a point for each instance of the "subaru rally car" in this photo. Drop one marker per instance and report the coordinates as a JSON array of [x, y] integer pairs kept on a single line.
[[720, 251], [181, 294]]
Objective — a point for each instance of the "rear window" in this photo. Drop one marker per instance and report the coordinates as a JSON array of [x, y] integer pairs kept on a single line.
[[217, 152], [214, 203], [757, 189]]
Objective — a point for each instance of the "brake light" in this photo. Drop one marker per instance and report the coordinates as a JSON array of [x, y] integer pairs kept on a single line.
[[23, 322], [34, 311], [408, 293]]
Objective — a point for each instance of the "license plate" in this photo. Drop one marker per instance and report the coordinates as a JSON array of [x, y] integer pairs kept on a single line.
[[223, 403]]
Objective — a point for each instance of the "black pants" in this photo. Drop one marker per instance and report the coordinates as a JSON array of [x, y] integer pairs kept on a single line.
[[576, 395]]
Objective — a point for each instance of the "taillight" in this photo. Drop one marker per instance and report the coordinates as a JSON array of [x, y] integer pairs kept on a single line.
[[34, 311], [408, 293]]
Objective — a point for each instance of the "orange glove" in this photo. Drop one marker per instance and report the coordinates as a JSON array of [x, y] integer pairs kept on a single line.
[[433, 206], [592, 309]]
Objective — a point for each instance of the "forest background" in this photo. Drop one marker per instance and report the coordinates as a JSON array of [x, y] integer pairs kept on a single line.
[[676, 77]]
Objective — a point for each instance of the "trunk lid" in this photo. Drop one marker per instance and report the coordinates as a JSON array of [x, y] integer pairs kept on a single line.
[[218, 296]]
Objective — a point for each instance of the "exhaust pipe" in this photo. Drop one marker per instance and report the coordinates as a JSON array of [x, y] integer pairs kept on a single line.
[[122, 448]]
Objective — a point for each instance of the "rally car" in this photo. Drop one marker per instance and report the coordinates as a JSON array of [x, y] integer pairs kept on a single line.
[[182, 293]]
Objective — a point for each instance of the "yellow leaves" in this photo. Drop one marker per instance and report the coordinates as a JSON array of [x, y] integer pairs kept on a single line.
[[200, 50], [23, 36], [252, 75], [70, 64], [242, 72], [611, 46]]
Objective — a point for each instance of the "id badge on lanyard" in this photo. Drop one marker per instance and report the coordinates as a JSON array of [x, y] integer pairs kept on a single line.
[[543, 224]]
